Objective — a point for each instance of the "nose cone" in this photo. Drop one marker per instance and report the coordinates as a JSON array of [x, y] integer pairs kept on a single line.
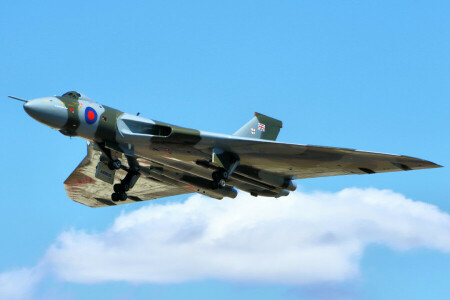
[[50, 111]]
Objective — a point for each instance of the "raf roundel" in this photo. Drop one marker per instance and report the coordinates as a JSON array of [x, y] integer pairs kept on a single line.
[[90, 115]]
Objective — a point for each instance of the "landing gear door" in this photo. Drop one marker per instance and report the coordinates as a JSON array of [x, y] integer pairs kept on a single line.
[[103, 173]]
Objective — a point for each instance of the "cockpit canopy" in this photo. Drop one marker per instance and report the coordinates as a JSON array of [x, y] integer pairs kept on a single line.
[[77, 96]]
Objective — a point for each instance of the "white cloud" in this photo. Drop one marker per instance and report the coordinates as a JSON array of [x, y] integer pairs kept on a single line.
[[300, 239], [305, 238], [19, 284]]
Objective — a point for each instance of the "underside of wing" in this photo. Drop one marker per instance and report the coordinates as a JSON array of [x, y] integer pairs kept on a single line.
[[82, 186], [304, 161]]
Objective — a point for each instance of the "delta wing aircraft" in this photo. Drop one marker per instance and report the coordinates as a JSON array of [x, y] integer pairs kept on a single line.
[[131, 158]]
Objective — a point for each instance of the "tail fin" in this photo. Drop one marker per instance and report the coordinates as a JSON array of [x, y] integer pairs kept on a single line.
[[261, 127]]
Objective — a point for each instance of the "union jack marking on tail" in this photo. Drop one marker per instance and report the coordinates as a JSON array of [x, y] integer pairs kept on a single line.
[[261, 127]]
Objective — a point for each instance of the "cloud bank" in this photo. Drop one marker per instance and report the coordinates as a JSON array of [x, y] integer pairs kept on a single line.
[[19, 284], [305, 238]]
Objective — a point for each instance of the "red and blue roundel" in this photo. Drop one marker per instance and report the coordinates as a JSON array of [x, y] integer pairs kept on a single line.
[[90, 115]]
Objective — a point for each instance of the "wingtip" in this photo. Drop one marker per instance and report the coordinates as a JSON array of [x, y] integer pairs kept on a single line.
[[414, 163], [431, 165]]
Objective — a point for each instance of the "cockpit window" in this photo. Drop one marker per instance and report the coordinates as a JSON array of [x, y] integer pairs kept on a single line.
[[72, 94], [77, 96]]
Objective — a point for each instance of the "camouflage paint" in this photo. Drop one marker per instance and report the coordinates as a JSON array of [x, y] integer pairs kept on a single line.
[[104, 129], [266, 168], [107, 129]]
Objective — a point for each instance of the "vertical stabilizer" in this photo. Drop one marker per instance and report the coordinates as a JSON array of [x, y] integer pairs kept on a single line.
[[261, 127]]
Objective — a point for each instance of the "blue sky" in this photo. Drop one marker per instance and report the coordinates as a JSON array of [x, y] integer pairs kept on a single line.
[[370, 75]]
